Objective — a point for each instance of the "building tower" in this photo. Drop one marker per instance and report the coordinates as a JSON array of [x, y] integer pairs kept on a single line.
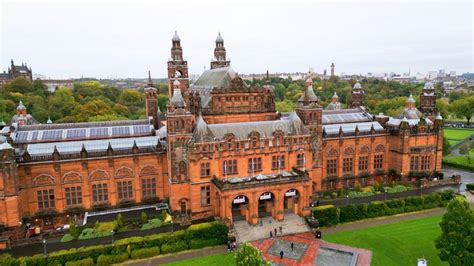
[[309, 108], [177, 66], [332, 69], [9, 187], [357, 98], [428, 100], [219, 54], [152, 103]]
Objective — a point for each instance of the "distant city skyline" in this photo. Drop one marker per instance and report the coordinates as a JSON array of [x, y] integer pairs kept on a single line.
[[126, 39]]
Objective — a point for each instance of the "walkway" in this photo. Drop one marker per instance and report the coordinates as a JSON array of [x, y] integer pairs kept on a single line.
[[291, 224]]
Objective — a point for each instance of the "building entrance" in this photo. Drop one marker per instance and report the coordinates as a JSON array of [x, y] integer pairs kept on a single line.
[[240, 209], [266, 204], [290, 203]]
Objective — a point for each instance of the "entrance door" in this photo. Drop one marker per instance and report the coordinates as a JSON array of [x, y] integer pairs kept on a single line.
[[290, 204], [240, 208], [266, 204], [183, 207]]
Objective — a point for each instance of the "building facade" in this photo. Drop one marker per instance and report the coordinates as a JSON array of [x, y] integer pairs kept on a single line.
[[223, 151], [15, 71]]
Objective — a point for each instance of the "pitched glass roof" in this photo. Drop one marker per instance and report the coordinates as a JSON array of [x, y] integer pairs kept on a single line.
[[350, 127]]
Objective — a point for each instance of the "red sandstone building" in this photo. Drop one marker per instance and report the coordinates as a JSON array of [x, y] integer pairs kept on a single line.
[[223, 151]]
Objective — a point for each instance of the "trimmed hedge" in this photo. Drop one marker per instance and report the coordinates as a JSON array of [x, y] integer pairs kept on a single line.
[[153, 223], [352, 212], [145, 253], [207, 230], [111, 259], [201, 243], [470, 186], [327, 215], [84, 262], [174, 247], [134, 242], [67, 238]]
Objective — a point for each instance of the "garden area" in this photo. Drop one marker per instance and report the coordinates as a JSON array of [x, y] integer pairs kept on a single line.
[[194, 237], [210, 260], [400, 243], [456, 135], [357, 192]]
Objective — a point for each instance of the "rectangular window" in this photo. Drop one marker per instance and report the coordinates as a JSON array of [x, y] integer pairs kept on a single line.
[[414, 163], [255, 164], [300, 160], [347, 165], [278, 162], [100, 193], [124, 190], [331, 167], [230, 167], [73, 196], [149, 187], [46, 199], [205, 169], [378, 161], [425, 162], [205, 195], [363, 163]]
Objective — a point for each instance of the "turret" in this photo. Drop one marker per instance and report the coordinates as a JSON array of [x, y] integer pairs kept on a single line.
[[177, 66], [357, 95], [428, 100], [219, 54], [151, 103]]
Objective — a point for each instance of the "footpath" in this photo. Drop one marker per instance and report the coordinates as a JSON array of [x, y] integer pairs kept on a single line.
[[162, 259]]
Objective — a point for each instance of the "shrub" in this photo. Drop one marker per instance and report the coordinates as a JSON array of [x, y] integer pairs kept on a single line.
[[120, 221], [73, 229], [396, 189], [8, 260], [153, 223], [67, 238], [134, 242], [375, 209], [395, 206], [207, 230], [470, 186], [89, 233], [447, 195], [201, 243], [174, 247], [163, 238], [327, 215], [356, 194], [145, 253], [351, 212], [111, 259], [431, 201], [83, 262], [368, 189], [143, 217], [413, 204]]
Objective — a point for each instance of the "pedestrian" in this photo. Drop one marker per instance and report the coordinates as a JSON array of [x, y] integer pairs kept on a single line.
[[271, 233], [281, 254], [281, 230], [275, 231], [317, 203], [292, 246], [233, 246], [228, 246]]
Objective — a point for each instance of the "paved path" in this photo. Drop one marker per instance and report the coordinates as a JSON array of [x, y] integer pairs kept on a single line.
[[382, 220]]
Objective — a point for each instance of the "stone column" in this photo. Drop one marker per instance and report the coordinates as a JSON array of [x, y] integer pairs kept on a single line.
[[279, 205], [253, 219]]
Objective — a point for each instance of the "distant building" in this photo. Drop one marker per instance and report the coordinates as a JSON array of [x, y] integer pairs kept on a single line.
[[54, 84], [15, 71]]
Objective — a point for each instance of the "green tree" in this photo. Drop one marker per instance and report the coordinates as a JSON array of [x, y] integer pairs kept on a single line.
[[446, 146], [120, 221], [20, 85], [143, 217], [464, 150], [62, 103], [456, 243], [73, 228], [464, 108], [248, 255]]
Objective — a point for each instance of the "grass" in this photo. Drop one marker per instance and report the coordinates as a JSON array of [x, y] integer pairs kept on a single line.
[[210, 260], [458, 133], [400, 243]]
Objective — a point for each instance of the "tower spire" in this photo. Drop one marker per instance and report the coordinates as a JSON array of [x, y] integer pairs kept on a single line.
[[219, 54]]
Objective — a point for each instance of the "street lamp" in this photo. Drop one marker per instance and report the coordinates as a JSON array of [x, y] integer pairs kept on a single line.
[[172, 225], [113, 232], [44, 248], [385, 194]]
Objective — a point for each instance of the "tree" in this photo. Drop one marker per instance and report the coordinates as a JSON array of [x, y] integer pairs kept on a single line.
[[464, 108], [120, 221], [446, 146], [464, 150], [73, 228], [456, 243], [19, 84], [249, 255], [143, 217]]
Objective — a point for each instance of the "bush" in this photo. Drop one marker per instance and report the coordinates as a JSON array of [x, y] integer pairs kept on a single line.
[[163, 238], [431, 201], [153, 223], [111, 259], [135, 242], [202, 243], [447, 195], [368, 189], [470, 186], [413, 204], [145, 253], [8, 260], [89, 233], [327, 215], [67, 238], [174, 247], [83, 262], [395, 206], [351, 212], [375, 209], [356, 194], [207, 230], [396, 189]]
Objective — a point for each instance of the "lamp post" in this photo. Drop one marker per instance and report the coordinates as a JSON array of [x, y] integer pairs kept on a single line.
[[172, 226], [44, 248], [347, 199], [113, 233], [385, 194]]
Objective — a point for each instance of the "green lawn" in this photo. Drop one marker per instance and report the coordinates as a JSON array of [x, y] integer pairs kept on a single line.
[[455, 134], [400, 243], [210, 260]]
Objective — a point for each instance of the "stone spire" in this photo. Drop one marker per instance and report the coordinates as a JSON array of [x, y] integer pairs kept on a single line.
[[219, 54]]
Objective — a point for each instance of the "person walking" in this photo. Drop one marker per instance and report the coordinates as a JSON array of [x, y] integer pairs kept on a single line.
[[292, 246], [275, 231], [281, 254], [228, 245], [271, 233], [281, 230]]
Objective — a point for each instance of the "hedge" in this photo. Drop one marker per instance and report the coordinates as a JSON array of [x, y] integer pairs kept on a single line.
[[327, 215], [470, 186], [89, 233], [134, 241], [352, 212], [145, 253], [201, 243], [207, 230], [84, 262], [67, 238], [153, 223], [375, 209], [174, 247], [112, 259]]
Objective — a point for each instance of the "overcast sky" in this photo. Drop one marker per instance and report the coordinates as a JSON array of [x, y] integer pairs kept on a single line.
[[125, 39]]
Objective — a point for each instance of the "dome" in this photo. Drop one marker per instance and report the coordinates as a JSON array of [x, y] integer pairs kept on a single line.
[[21, 106], [334, 106], [428, 86], [357, 86], [410, 99], [176, 37], [219, 38]]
